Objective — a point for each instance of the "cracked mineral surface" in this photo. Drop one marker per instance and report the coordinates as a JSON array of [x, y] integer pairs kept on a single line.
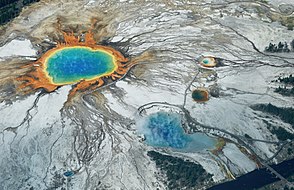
[[52, 140]]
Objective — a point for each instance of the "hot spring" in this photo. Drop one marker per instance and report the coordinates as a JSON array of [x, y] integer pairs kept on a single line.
[[72, 64], [164, 129]]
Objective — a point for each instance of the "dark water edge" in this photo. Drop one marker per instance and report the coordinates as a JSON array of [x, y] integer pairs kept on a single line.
[[257, 178]]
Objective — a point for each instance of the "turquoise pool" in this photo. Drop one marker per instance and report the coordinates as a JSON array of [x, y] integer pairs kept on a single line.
[[164, 129], [73, 64]]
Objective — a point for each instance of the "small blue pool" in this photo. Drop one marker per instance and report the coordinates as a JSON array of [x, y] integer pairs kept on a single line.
[[164, 129]]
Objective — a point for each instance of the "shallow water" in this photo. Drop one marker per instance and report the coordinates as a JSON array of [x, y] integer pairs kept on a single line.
[[71, 65], [164, 129]]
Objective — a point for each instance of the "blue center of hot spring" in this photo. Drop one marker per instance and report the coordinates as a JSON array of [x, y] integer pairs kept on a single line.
[[198, 95], [70, 65], [164, 129], [205, 61]]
